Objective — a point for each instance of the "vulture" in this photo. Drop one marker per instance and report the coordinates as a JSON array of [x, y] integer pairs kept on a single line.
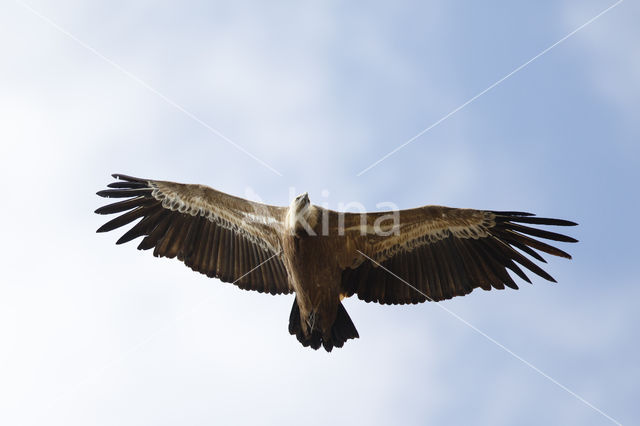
[[428, 253]]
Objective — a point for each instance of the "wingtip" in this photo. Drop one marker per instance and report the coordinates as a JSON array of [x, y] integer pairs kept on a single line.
[[563, 222], [511, 213], [120, 241], [128, 178], [104, 209]]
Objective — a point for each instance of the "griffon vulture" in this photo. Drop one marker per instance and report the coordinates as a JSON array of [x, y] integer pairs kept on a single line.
[[411, 256]]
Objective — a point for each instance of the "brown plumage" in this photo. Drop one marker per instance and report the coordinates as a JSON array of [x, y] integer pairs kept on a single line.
[[429, 253]]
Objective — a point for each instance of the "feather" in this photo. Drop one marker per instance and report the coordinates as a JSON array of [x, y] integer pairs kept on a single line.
[[124, 193], [236, 266], [144, 226], [127, 185], [215, 249], [211, 249], [458, 273], [379, 293], [175, 241], [156, 234], [195, 225], [542, 233], [501, 262], [419, 277], [246, 266], [393, 283], [477, 250], [537, 220], [194, 260], [435, 288], [521, 246], [524, 261], [128, 178], [164, 242], [510, 213], [516, 239], [475, 272], [224, 256], [368, 281], [255, 261], [124, 219], [509, 263], [125, 205], [270, 271], [444, 270]]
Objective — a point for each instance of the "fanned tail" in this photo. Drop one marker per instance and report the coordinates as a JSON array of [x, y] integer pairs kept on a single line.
[[341, 331]]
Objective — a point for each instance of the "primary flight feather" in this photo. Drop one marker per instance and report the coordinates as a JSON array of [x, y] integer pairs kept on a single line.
[[429, 253]]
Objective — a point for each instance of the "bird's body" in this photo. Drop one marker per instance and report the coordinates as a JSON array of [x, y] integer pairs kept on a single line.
[[315, 263], [409, 256], [315, 279]]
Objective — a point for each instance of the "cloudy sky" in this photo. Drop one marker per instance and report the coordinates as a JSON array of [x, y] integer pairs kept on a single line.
[[263, 100]]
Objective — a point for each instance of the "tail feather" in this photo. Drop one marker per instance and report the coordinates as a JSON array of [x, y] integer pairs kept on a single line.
[[341, 331], [295, 327]]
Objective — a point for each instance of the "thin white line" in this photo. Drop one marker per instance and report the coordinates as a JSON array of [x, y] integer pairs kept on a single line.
[[489, 88], [133, 349], [145, 85], [509, 351]]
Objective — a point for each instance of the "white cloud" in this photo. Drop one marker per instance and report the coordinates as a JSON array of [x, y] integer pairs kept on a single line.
[[289, 83], [613, 56]]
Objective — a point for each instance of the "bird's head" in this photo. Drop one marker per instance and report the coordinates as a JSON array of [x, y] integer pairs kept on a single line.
[[300, 203], [301, 215]]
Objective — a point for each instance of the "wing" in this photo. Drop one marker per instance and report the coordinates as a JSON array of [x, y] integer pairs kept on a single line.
[[444, 252], [213, 233]]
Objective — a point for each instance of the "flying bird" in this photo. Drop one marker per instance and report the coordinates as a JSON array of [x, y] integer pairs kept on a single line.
[[429, 253]]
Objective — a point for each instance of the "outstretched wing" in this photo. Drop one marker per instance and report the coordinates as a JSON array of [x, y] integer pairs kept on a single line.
[[219, 235], [445, 252]]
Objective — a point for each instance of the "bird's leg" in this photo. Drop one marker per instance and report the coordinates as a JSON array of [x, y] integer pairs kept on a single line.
[[313, 316], [311, 321]]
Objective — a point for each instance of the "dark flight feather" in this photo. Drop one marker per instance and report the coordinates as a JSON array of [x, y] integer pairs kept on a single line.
[[192, 238], [455, 265]]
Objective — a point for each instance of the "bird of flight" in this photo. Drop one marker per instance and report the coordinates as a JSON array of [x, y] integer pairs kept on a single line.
[[428, 253]]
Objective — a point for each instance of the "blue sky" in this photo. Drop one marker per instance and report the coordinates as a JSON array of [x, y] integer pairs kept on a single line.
[[98, 334]]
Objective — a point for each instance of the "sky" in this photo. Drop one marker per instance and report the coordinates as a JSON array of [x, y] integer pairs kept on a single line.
[[267, 100]]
